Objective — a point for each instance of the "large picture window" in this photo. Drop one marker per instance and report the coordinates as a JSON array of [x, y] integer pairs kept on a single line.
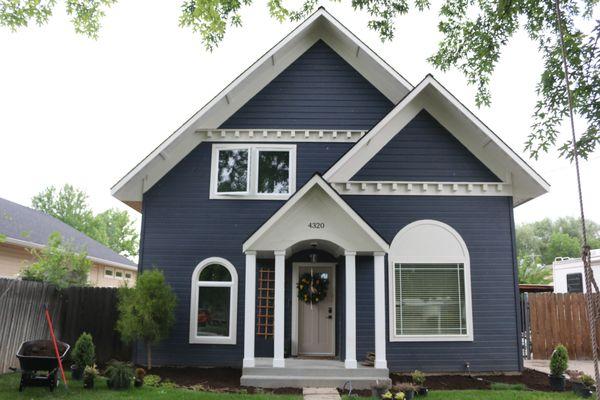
[[253, 171], [430, 284], [213, 307]]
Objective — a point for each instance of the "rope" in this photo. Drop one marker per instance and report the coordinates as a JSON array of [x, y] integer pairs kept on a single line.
[[592, 306]]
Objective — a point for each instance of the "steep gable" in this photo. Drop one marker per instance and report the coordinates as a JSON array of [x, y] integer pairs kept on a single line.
[[425, 151], [319, 90]]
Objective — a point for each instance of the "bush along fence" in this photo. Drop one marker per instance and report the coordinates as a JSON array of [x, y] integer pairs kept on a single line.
[[74, 310], [559, 319]]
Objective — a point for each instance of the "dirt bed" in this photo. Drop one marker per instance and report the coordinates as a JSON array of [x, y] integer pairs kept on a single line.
[[41, 348]]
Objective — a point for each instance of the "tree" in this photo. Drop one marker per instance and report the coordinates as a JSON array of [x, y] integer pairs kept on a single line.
[[112, 228], [531, 270], [58, 264], [473, 36], [146, 312]]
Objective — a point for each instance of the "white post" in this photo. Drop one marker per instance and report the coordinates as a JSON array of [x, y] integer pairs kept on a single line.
[[279, 314], [250, 307], [379, 271], [350, 309]]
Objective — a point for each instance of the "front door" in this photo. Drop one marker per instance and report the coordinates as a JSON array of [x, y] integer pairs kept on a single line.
[[316, 322]]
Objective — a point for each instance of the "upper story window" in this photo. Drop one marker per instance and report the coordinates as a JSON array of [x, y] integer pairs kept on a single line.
[[430, 284], [253, 171]]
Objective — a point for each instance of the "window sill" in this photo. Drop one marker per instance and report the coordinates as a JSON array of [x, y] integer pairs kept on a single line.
[[212, 340], [432, 338], [216, 196]]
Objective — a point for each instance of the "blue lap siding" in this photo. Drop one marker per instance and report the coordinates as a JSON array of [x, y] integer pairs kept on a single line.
[[425, 151]]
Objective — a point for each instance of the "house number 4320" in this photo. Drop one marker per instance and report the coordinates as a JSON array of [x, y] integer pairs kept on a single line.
[[316, 225]]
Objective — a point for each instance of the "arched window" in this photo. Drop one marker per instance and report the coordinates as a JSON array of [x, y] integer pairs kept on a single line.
[[430, 284], [213, 307]]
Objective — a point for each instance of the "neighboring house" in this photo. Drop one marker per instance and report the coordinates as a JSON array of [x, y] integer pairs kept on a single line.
[[321, 159], [23, 228], [568, 273]]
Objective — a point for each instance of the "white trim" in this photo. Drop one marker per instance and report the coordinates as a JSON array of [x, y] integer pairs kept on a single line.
[[315, 180], [195, 284], [295, 276], [379, 294], [350, 272], [280, 135], [251, 192], [422, 188], [279, 310], [320, 25], [430, 95], [429, 258], [249, 309], [96, 260]]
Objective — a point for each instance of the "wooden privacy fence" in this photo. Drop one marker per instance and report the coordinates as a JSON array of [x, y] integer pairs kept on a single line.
[[74, 311], [559, 318]]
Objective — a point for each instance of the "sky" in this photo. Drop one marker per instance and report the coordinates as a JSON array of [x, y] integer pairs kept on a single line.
[[83, 111]]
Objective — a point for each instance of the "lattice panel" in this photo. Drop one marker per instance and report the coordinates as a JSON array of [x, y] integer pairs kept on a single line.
[[265, 301]]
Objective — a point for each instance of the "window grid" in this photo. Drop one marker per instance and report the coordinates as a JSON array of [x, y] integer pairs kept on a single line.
[[265, 305]]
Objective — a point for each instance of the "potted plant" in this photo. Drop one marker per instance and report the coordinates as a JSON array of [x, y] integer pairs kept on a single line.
[[83, 355], [119, 375], [378, 389], [418, 379], [140, 373], [408, 389], [89, 374], [582, 384], [559, 363]]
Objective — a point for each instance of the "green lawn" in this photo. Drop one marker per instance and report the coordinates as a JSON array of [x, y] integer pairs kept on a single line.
[[9, 384], [497, 395]]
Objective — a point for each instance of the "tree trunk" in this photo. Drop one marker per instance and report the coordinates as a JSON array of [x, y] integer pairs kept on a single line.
[[149, 356]]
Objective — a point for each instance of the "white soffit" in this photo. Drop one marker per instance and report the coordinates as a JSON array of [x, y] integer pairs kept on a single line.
[[431, 96], [320, 25], [316, 202]]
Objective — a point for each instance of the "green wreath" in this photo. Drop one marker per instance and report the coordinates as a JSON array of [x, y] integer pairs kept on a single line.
[[312, 288]]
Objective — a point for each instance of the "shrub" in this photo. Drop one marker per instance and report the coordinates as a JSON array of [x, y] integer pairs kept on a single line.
[[559, 362], [587, 380], [84, 351], [418, 377], [90, 372], [119, 375], [507, 386], [152, 380], [405, 387]]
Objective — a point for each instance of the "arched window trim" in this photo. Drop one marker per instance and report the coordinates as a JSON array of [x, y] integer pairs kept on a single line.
[[233, 284], [425, 259]]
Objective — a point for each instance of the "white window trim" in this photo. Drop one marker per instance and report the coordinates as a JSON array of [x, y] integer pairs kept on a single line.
[[430, 259], [112, 270], [233, 285], [252, 187]]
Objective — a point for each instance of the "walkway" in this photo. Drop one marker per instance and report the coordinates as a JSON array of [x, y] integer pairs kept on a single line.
[[585, 366], [320, 394]]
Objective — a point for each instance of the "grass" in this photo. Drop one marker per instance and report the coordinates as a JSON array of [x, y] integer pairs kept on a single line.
[[491, 395], [507, 386], [9, 384]]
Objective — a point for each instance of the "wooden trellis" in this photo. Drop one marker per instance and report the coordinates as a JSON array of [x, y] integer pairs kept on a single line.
[[265, 301]]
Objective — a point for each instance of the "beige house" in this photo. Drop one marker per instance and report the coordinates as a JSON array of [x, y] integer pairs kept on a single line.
[[23, 229]]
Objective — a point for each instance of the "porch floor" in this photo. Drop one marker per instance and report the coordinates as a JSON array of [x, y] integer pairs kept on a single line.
[[301, 373]]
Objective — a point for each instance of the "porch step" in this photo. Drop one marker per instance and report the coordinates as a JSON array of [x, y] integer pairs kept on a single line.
[[311, 373]]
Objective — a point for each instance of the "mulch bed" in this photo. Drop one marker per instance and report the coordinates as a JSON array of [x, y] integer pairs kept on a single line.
[[228, 380], [41, 348]]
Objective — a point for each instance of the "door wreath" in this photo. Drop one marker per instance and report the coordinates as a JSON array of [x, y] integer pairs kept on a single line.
[[312, 288]]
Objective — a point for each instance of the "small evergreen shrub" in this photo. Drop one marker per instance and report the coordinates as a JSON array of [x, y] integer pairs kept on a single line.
[[559, 362], [84, 351], [119, 375]]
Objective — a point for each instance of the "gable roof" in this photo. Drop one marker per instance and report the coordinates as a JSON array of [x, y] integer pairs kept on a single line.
[[431, 96], [371, 240], [320, 25], [26, 227]]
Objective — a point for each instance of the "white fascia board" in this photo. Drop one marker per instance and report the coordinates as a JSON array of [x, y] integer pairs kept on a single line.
[[320, 25], [431, 96], [314, 181], [33, 245]]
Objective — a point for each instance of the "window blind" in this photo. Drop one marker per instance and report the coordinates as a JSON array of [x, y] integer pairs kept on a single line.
[[430, 299]]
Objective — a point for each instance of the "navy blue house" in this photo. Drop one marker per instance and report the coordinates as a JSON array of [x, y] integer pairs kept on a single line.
[[322, 211]]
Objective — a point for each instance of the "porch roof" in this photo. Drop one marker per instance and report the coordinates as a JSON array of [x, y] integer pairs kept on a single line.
[[316, 212]]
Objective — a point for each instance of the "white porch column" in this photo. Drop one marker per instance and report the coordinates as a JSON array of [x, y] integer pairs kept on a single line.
[[350, 309], [250, 307], [379, 271], [279, 312]]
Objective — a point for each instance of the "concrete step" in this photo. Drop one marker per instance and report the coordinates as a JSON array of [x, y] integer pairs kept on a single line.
[[299, 381], [319, 372]]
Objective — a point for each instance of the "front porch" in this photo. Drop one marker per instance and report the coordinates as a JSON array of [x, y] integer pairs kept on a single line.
[[299, 373]]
